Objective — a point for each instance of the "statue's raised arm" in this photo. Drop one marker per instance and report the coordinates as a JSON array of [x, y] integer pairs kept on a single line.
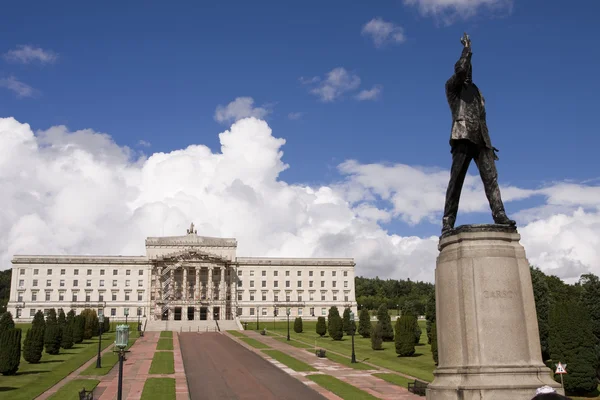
[[462, 68]]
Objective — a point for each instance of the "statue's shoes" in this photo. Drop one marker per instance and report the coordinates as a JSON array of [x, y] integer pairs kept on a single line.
[[502, 219]]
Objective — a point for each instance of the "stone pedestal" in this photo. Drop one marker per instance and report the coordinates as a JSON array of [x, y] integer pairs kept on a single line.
[[487, 331]]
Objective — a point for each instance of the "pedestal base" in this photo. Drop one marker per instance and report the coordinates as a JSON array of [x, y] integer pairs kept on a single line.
[[488, 339]]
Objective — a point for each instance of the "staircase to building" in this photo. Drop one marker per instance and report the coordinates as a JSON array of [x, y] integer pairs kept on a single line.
[[192, 326]]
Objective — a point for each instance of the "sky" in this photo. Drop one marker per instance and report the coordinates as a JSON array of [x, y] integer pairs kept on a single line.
[[303, 129]]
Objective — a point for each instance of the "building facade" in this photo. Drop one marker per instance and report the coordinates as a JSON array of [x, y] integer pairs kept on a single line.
[[182, 278]]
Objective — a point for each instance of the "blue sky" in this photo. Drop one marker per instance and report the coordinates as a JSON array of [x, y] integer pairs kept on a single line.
[[157, 71]]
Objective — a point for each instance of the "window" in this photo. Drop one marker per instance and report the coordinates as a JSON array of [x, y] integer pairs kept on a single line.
[[49, 271], [310, 273], [251, 283], [251, 273], [74, 297], [287, 283], [239, 272], [18, 313], [334, 297], [127, 283], [275, 283], [115, 271], [61, 283], [287, 297], [312, 311], [140, 283], [61, 296], [240, 283], [264, 283], [114, 296], [311, 296], [33, 296], [101, 272], [345, 283], [299, 273], [140, 296], [239, 311], [48, 283], [276, 297], [139, 311], [287, 273], [240, 296], [323, 311], [264, 273], [322, 273], [299, 311], [310, 283], [113, 312], [35, 281], [251, 296], [322, 296], [89, 271], [36, 271], [22, 271], [322, 283], [345, 297], [126, 296], [100, 296], [275, 273], [88, 282], [75, 272], [75, 282], [20, 296], [345, 273], [88, 296], [127, 272], [299, 283], [101, 282], [47, 296], [264, 311], [62, 271], [114, 282], [251, 310], [32, 312], [334, 283], [22, 282], [299, 297], [141, 272], [264, 296]]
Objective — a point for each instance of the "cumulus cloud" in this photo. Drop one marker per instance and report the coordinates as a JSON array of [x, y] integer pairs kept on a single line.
[[241, 107], [383, 32], [26, 54], [78, 192], [370, 94], [19, 88], [450, 10], [337, 82]]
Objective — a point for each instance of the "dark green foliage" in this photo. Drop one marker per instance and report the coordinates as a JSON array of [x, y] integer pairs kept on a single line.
[[298, 325], [52, 337], [5, 277], [62, 322], [6, 322], [434, 346], [405, 335], [418, 332], [346, 324], [321, 326], [590, 298], [377, 337], [364, 323], [38, 320], [541, 294], [430, 314], [91, 323], [386, 323], [78, 327], [10, 351], [572, 342], [70, 316], [373, 292], [334, 324], [67, 337], [106, 324], [34, 339]]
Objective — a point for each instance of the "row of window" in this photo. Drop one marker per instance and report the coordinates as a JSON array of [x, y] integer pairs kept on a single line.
[[287, 273], [113, 312], [276, 312], [63, 271], [288, 297], [298, 284], [88, 283], [74, 296]]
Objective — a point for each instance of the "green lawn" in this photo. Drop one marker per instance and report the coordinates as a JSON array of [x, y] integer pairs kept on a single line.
[[420, 366], [342, 389], [159, 389], [108, 361], [71, 390], [295, 343], [255, 343], [347, 361], [395, 379], [165, 344], [289, 361], [162, 363], [166, 334], [33, 379], [236, 333]]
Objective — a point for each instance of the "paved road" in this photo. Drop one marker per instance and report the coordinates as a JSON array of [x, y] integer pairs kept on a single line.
[[217, 367]]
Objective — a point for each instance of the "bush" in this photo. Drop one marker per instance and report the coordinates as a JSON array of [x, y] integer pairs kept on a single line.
[[6, 322], [364, 323], [386, 323], [321, 326], [90, 323], [377, 337], [434, 347], [10, 350], [52, 336], [106, 324], [67, 337], [78, 328], [298, 325], [346, 322], [34, 339], [418, 332], [62, 322], [405, 335], [334, 326]]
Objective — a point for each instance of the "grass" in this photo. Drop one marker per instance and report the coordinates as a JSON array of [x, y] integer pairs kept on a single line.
[[162, 363], [420, 366], [347, 362], [289, 361], [395, 379], [255, 343], [342, 389], [33, 379], [71, 390], [236, 333], [108, 362], [165, 344], [166, 334], [159, 389], [295, 343]]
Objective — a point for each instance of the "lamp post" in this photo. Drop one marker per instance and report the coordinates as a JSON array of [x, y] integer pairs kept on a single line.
[[288, 318], [100, 326], [257, 312], [398, 305], [353, 327], [121, 344], [126, 314]]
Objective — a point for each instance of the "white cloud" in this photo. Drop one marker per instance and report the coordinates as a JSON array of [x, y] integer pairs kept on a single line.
[[241, 107], [144, 143], [337, 82], [370, 94], [295, 115], [450, 10], [19, 88], [79, 192], [26, 54], [383, 32]]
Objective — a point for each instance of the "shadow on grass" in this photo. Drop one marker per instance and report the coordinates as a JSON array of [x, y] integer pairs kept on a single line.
[[31, 372], [6, 388], [413, 356], [53, 361]]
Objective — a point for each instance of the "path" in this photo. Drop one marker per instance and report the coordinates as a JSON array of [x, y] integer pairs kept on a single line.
[[219, 368], [362, 379]]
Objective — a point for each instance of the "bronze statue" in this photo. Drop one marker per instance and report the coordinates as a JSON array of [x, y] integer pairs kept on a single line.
[[470, 140]]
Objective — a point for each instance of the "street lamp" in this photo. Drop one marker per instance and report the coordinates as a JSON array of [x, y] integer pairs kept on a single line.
[[257, 312], [100, 326], [121, 343], [126, 314], [353, 328], [288, 318]]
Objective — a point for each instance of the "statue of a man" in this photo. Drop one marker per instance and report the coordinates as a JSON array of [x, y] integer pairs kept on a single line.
[[470, 140]]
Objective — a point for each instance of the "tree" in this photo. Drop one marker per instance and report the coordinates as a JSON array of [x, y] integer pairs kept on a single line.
[[541, 295], [106, 324], [430, 315], [10, 350], [346, 321], [386, 323], [364, 323], [67, 337], [298, 325], [377, 337], [34, 339], [434, 345], [321, 326], [78, 328], [405, 335], [52, 337], [6, 322], [334, 325], [70, 317], [590, 298], [572, 341], [62, 322], [91, 323]]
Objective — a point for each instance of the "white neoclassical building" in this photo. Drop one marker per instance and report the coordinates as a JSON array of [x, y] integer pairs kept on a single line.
[[182, 278]]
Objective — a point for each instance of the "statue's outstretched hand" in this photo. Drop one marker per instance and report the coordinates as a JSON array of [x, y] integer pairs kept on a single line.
[[465, 40]]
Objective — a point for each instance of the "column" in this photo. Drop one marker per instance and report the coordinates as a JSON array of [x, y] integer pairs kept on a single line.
[[233, 289], [209, 284], [222, 287], [209, 313], [157, 285], [197, 287], [172, 284], [171, 313], [185, 284]]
